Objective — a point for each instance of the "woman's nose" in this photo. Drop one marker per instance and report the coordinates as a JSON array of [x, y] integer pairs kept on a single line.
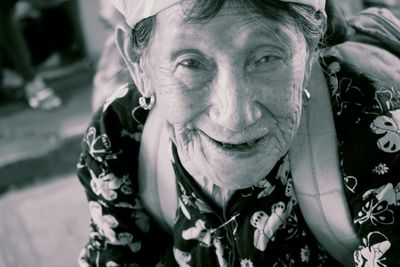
[[235, 107]]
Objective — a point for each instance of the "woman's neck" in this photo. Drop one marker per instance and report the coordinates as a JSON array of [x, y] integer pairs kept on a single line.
[[216, 193], [219, 195]]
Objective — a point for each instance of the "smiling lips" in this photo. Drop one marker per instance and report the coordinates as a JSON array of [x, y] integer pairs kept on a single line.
[[237, 146], [244, 146]]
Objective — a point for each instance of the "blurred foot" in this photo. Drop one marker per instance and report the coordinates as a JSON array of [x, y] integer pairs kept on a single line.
[[39, 96]]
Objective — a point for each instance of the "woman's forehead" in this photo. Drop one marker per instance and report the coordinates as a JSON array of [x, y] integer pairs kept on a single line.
[[188, 13], [135, 11], [175, 21]]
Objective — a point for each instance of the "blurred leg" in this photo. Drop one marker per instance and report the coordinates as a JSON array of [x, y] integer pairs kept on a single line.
[[13, 42], [73, 14], [66, 16], [1, 69]]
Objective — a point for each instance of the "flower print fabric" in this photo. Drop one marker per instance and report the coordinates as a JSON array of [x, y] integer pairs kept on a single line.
[[261, 225], [121, 231], [367, 120], [255, 229]]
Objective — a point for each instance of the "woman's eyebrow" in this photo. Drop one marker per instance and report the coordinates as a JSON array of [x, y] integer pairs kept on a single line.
[[181, 51]]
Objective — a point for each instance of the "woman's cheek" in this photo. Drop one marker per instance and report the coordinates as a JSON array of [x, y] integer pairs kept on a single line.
[[277, 96], [283, 84], [181, 105]]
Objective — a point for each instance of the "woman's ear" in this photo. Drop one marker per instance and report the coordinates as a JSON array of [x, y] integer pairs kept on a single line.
[[139, 76]]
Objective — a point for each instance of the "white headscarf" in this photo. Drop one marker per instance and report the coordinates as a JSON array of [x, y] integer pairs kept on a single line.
[[136, 10]]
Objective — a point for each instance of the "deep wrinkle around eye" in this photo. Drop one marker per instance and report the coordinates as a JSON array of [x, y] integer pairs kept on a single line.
[[180, 52], [192, 59], [193, 73], [191, 63], [266, 61]]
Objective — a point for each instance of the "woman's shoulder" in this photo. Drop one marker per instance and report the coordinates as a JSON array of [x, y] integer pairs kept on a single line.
[[124, 104], [368, 59], [362, 75], [112, 139], [365, 95], [372, 46], [365, 101], [121, 115]]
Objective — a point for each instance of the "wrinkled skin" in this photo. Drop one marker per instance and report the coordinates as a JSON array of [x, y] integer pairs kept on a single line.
[[228, 81]]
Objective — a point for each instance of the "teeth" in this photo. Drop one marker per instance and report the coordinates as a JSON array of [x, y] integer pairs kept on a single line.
[[225, 145], [244, 145], [238, 146]]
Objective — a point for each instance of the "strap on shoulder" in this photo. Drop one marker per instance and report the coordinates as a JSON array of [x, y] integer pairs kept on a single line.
[[157, 183], [317, 177]]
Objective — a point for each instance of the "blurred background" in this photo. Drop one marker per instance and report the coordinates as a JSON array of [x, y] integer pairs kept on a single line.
[[57, 52], [44, 216]]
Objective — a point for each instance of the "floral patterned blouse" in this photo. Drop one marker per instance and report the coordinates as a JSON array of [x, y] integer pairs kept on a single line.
[[261, 225]]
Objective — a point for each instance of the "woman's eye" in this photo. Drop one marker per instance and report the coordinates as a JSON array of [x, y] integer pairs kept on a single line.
[[193, 71], [265, 63], [266, 59], [191, 64]]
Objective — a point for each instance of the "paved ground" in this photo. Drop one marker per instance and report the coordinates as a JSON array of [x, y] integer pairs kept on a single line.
[[44, 217], [44, 225]]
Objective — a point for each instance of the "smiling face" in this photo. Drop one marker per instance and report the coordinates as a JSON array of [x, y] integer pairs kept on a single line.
[[230, 89]]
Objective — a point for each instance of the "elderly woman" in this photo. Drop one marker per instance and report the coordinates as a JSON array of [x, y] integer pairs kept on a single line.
[[240, 144]]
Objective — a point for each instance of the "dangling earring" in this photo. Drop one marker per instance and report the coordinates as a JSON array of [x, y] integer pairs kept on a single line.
[[306, 96], [147, 104], [140, 111]]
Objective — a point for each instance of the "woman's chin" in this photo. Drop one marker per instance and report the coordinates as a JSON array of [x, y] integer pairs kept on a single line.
[[230, 166], [237, 175], [238, 168]]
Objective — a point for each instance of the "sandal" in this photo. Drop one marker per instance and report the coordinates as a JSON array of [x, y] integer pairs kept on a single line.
[[44, 99], [41, 97]]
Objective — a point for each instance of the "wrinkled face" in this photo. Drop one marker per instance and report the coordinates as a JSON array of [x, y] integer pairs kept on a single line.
[[230, 89]]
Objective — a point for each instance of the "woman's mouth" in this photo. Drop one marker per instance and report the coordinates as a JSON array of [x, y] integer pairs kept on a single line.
[[235, 146], [242, 146]]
